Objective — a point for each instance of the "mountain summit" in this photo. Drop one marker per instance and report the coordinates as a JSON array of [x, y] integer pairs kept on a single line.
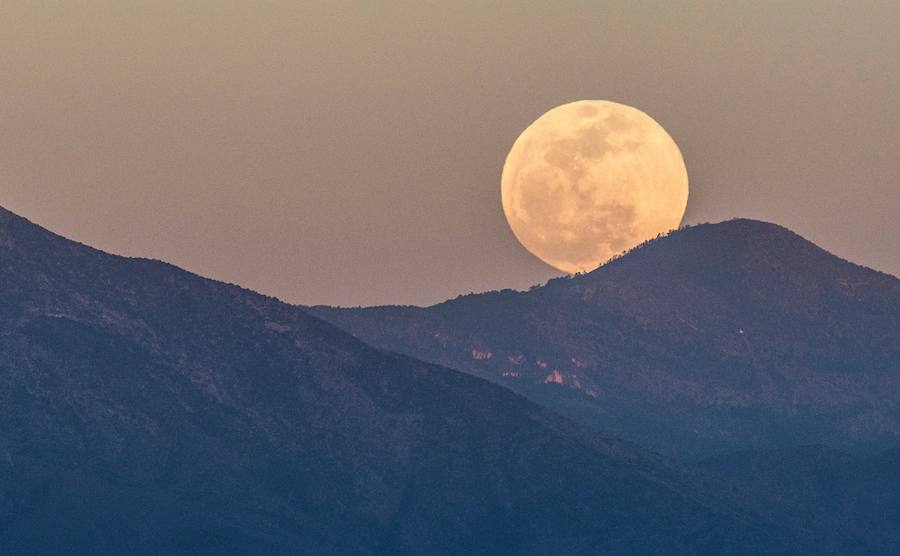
[[714, 338]]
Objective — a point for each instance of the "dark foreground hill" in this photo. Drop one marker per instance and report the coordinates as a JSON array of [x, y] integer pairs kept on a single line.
[[146, 410], [718, 337]]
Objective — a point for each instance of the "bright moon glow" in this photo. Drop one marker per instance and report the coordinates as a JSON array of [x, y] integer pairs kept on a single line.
[[590, 179]]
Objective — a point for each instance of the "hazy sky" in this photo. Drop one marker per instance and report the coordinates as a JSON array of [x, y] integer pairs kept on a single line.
[[350, 152]]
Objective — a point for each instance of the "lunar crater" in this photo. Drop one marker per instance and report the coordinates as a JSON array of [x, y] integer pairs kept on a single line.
[[590, 179]]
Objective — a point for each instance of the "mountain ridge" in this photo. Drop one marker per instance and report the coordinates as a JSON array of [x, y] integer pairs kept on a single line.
[[715, 325], [146, 409], [760, 225]]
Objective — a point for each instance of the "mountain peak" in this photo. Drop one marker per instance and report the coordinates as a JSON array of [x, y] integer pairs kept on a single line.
[[9, 219], [753, 253], [17, 230], [743, 316], [741, 232], [14, 229], [749, 225], [737, 236]]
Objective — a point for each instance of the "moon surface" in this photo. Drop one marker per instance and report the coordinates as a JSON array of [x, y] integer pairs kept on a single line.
[[589, 180]]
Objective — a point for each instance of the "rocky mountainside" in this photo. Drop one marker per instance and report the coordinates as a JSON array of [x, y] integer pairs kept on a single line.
[[715, 338], [147, 410]]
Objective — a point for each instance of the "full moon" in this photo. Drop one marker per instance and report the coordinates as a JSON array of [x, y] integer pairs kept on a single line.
[[589, 180]]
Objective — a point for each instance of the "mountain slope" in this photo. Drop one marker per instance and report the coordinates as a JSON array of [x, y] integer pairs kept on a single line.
[[822, 489], [717, 337], [144, 409]]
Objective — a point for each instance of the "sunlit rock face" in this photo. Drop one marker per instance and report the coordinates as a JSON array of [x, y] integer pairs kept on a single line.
[[590, 179]]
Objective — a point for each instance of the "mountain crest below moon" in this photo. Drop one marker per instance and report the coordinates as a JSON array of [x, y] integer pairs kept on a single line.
[[713, 338]]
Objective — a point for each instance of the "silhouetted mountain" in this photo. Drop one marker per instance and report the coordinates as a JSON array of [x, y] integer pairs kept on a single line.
[[717, 337], [144, 409]]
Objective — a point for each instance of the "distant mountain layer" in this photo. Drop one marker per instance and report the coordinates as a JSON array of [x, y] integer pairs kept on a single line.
[[146, 410], [717, 337]]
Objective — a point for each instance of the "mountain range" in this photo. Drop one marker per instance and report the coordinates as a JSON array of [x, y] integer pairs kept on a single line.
[[147, 410], [719, 337]]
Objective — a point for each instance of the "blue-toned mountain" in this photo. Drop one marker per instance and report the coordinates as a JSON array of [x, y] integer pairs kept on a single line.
[[717, 337], [146, 410]]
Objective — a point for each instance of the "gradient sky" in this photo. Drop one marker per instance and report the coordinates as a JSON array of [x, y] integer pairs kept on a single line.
[[350, 152]]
